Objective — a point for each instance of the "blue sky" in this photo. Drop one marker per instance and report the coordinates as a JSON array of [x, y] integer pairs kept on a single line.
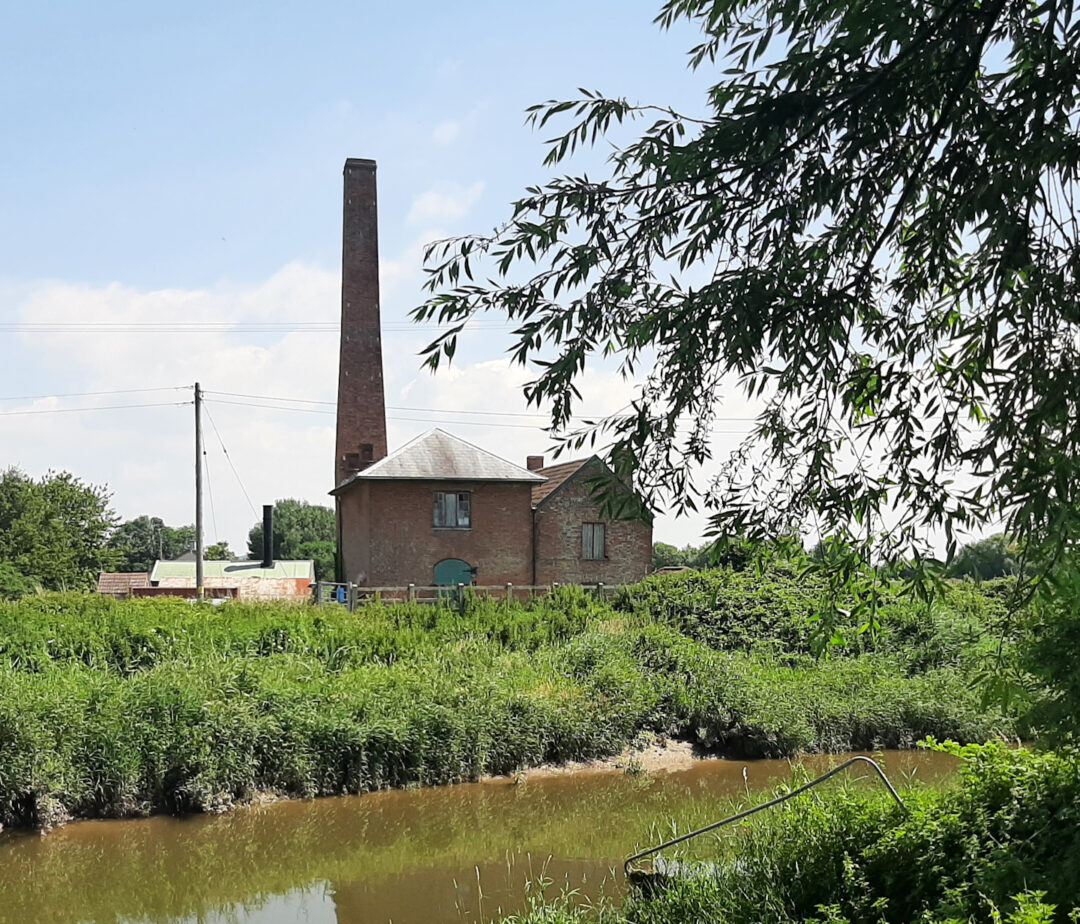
[[183, 163]]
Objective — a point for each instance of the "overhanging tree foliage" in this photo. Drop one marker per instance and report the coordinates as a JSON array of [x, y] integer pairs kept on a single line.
[[870, 225]]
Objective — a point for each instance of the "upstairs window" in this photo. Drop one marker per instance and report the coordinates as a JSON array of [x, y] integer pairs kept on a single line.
[[593, 541], [453, 510]]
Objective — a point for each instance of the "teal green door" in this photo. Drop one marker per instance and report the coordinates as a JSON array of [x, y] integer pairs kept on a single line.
[[452, 571]]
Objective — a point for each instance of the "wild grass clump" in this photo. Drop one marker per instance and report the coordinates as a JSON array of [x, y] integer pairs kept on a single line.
[[123, 707], [128, 636]]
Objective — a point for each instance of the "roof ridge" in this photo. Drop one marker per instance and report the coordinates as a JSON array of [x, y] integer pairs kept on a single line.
[[578, 462], [437, 454]]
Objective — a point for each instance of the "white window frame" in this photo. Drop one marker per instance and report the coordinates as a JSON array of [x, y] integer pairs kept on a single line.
[[452, 510], [594, 541]]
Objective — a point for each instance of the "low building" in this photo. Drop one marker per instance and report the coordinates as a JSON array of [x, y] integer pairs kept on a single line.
[[120, 584], [246, 580]]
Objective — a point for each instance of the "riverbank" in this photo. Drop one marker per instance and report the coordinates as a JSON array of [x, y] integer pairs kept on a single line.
[[112, 709], [648, 755], [1002, 845], [437, 855]]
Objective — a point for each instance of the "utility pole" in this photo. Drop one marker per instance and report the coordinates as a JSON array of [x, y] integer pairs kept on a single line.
[[198, 494]]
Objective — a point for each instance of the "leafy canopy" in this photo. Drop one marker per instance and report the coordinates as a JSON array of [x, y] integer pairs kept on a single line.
[[301, 531], [869, 225], [53, 532], [144, 539], [219, 551]]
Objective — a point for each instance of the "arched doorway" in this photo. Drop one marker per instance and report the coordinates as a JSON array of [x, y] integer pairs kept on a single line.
[[453, 571]]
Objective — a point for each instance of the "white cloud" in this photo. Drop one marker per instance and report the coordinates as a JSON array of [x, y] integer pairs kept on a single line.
[[446, 132], [434, 206], [146, 454]]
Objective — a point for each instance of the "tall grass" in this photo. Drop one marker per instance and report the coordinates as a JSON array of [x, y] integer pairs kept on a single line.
[[110, 708]]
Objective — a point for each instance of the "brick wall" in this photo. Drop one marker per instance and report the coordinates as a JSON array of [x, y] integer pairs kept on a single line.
[[297, 590], [558, 526], [388, 538]]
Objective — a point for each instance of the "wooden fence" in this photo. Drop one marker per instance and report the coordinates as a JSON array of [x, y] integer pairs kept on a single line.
[[351, 595]]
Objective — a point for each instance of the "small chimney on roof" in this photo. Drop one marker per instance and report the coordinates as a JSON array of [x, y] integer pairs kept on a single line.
[[534, 463], [268, 536]]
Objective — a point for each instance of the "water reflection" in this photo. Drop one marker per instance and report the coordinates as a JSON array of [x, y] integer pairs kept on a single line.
[[453, 854]]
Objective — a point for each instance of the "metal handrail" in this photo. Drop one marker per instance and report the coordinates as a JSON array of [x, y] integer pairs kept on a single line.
[[760, 808]]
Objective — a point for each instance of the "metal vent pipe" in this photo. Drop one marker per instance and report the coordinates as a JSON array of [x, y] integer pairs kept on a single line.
[[268, 536]]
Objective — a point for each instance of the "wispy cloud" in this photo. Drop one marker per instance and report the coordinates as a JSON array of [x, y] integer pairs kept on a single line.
[[446, 132], [439, 206]]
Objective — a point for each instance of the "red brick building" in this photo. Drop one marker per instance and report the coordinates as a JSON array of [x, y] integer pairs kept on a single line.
[[440, 510], [574, 542]]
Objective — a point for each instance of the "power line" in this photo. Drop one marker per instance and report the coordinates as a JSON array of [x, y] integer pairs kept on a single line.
[[210, 495], [312, 410], [88, 394], [435, 420], [228, 458], [229, 327], [434, 410], [104, 407], [236, 394]]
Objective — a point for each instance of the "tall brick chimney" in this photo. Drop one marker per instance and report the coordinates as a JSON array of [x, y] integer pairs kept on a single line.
[[361, 404]]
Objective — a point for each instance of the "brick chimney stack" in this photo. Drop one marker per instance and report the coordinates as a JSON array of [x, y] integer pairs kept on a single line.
[[361, 407]]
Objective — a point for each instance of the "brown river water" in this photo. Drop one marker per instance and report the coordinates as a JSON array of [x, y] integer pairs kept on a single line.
[[465, 853]]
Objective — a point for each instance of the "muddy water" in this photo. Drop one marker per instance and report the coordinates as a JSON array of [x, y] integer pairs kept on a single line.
[[452, 854]]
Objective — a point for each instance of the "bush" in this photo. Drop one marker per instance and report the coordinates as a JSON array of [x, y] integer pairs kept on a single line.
[[13, 585]]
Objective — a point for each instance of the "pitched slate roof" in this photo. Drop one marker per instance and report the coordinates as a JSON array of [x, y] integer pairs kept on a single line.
[[557, 476], [630, 507], [440, 456], [234, 569], [120, 582]]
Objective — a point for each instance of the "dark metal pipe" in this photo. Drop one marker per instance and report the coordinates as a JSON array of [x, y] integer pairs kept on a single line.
[[268, 536]]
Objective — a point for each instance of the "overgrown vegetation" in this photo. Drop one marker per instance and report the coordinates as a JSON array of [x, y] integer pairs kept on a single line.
[[1003, 845], [115, 707]]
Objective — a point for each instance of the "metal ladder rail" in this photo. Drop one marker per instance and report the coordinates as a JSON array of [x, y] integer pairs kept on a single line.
[[760, 808]]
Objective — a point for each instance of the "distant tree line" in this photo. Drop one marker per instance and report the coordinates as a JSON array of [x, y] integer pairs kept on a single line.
[[58, 532], [982, 560], [729, 552]]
